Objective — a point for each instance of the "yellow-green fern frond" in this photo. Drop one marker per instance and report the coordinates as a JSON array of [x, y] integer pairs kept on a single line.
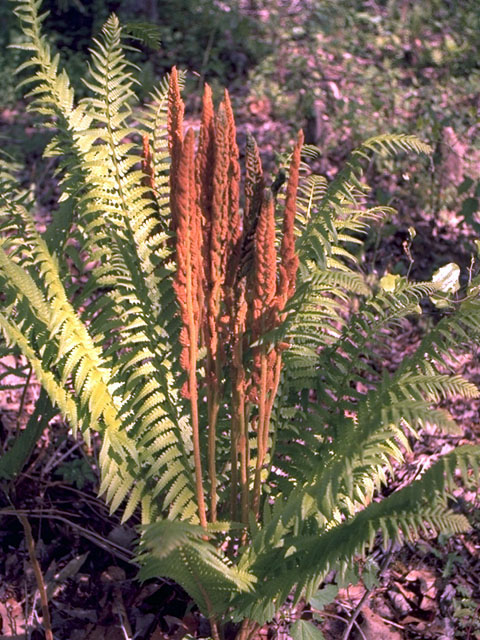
[[180, 551]]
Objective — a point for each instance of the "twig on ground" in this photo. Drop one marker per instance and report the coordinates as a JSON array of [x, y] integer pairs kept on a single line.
[[47, 625], [327, 614], [117, 550], [366, 595]]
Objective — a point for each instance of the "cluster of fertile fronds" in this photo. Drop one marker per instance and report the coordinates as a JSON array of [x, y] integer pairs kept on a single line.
[[209, 334], [229, 287]]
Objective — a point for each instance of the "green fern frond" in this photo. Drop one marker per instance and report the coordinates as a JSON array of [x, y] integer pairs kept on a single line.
[[119, 191], [179, 550], [146, 32], [43, 309], [358, 434], [404, 514], [321, 203]]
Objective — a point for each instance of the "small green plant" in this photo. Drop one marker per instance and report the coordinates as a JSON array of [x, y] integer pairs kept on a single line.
[[217, 342], [76, 472], [465, 612]]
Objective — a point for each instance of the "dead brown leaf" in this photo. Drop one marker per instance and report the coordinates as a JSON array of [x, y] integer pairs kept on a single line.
[[373, 627], [12, 619], [353, 593]]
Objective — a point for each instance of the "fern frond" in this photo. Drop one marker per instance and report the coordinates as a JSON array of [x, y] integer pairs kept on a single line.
[[321, 203], [120, 411], [406, 513], [146, 32], [358, 433], [179, 550]]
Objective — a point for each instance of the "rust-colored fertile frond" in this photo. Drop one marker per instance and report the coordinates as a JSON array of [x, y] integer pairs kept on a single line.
[[197, 234], [288, 258], [147, 164], [265, 365], [187, 245], [254, 181], [218, 177], [214, 252], [254, 188], [204, 163], [233, 176], [186, 285], [175, 135], [205, 159], [176, 110], [221, 174], [232, 255], [264, 289], [219, 228], [265, 276]]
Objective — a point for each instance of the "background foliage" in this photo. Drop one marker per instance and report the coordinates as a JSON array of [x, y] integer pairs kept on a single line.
[[343, 71]]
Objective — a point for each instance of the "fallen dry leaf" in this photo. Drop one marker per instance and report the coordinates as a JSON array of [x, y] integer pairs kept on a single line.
[[400, 603], [353, 593], [11, 618], [373, 627], [426, 577], [408, 594]]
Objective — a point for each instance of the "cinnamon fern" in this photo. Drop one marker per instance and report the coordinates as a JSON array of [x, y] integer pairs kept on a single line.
[[214, 332]]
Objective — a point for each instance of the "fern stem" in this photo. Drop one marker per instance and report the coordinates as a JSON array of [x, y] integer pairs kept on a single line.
[[268, 391], [235, 451], [212, 618], [262, 413], [234, 467], [248, 630], [237, 312], [47, 625], [213, 399], [271, 399], [192, 380], [243, 447], [214, 629]]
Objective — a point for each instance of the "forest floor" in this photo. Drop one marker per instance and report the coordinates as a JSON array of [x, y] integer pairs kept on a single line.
[[429, 589]]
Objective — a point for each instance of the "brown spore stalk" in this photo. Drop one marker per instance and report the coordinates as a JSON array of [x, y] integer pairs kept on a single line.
[[175, 113], [231, 288], [147, 164], [288, 257], [188, 281]]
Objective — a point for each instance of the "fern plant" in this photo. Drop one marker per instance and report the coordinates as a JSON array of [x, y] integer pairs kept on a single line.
[[210, 338]]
